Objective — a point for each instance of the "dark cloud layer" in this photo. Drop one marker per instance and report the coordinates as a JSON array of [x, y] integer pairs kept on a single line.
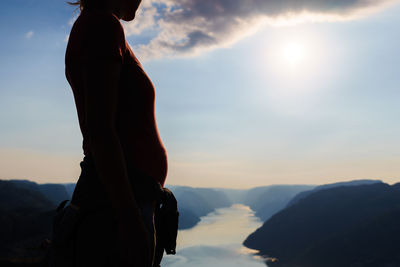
[[190, 26]]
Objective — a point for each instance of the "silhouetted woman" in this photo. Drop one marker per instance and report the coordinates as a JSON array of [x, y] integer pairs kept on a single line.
[[125, 162]]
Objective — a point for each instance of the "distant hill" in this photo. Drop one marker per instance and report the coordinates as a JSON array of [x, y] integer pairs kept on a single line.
[[70, 187], [268, 200], [54, 192], [341, 226], [265, 201], [26, 184], [235, 196], [187, 219], [196, 202]]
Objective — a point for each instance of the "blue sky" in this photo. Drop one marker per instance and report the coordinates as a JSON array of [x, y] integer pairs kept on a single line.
[[248, 100]]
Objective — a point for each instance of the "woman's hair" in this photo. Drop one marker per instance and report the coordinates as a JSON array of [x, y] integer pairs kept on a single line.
[[80, 3], [92, 4]]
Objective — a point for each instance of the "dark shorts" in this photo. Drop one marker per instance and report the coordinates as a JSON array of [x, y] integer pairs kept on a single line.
[[96, 238]]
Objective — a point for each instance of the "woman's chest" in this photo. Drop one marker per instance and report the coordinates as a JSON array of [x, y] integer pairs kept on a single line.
[[136, 89]]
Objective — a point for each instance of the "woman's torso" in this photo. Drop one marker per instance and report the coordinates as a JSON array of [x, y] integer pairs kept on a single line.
[[135, 117]]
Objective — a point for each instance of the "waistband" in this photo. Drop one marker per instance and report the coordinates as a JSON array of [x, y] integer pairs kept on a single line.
[[145, 187]]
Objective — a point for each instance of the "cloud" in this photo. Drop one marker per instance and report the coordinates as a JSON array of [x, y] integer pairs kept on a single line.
[[187, 27], [145, 19], [29, 34]]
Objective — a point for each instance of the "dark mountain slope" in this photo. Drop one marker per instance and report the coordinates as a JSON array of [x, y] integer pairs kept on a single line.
[[22, 196], [328, 186], [25, 219], [342, 226]]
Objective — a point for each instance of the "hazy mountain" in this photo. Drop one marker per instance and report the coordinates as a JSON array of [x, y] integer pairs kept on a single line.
[[265, 201], [268, 200], [187, 219], [70, 187], [196, 202], [341, 226], [235, 196], [54, 192]]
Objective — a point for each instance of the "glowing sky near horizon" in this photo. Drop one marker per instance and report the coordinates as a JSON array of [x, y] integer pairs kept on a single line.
[[297, 103]]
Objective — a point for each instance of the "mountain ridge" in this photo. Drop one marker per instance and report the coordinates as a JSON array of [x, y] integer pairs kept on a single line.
[[323, 228]]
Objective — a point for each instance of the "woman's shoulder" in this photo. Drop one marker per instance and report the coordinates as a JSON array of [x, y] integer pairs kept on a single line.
[[96, 34]]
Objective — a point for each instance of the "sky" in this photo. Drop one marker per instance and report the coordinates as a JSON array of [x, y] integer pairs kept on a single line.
[[248, 92]]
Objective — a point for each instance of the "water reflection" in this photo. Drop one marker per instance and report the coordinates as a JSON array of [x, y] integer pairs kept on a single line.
[[217, 240]]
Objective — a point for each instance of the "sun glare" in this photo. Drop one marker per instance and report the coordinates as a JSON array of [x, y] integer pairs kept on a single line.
[[293, 69], [294, 54]]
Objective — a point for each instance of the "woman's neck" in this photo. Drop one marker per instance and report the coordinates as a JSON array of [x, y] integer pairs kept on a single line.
[[104, 7]]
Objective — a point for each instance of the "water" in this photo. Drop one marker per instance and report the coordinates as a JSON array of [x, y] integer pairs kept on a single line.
[[217, 241]]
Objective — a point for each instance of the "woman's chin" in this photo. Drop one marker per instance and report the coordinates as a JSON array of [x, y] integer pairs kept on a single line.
[[129, 17]]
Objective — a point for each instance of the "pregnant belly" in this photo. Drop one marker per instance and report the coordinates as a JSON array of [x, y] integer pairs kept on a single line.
[[146, 153]]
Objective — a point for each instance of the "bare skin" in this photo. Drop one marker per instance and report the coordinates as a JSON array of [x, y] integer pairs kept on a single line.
[[101, 92]]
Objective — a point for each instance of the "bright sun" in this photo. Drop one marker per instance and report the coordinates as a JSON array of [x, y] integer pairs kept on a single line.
[[291, 70], [294, 54]]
